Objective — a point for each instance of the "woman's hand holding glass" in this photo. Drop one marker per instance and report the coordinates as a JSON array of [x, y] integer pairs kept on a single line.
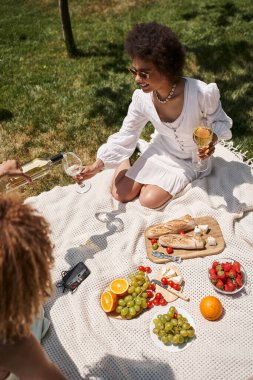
[[90, 171]]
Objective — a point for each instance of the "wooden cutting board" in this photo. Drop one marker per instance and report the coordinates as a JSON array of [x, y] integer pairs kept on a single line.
[[214, 230]]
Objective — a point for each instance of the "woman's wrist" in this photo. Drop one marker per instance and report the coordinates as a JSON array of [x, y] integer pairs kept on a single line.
[[100, 164]]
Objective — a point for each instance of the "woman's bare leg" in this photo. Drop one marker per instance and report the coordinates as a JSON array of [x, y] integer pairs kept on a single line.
[[124, 189], [153, 196]]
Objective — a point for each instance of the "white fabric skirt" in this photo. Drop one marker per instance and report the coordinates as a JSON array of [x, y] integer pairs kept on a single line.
[[164, 170]]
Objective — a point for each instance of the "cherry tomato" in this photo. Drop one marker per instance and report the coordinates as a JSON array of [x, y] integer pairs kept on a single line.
[[149, 304], [148, 269], [169, 250], [182, 233], [151, 287], [149, 293], [163, 302], [158, 296], [171, 283], [164, 281], [141, 268], [153, 241], [176, 286], [156, 302]]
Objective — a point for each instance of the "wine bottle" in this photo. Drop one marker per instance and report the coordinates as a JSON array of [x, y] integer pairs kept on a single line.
[[36, 168]]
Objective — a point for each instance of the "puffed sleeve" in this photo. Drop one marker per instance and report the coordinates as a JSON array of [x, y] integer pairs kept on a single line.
[[121, 145], [209, 100]]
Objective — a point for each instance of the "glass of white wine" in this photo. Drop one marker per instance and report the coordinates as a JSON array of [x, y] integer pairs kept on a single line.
[[73, 166], [202, 136]]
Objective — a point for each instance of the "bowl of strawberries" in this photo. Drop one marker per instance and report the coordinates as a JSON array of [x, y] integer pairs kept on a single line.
[[227, 276]]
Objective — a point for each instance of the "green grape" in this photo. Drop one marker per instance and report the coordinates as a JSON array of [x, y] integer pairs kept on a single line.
[[138, 290], [132, 311], [129, 316], [140, 273], [132, 277], [139, 277], [160, 325], [128, 298], [124, 311], [179, 316], [138, 301], [168, 326], [175, 339], [134, 294], [140, 283], [144, 304], [184, 333], [137, 308], [134, 283], [145, 286], [144, 295], [165, 339], [118, 309], [170, 337], [166, 317], [155, 331], [130, 304], [155, 321], [174, 321], [180, 322], [131, 289], [172, 309], [186, 326], [180, 339], [170, 314], [159, 316], [191, 333], [162, 333], [121, 302], [162, 319]]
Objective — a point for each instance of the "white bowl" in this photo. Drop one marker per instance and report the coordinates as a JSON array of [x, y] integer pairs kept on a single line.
[[228, 260]]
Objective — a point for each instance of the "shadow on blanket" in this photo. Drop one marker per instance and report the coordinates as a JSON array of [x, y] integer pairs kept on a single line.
[[229, 181], [108, 369]]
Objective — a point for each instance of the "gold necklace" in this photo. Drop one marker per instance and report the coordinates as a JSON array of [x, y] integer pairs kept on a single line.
[[171, 93]]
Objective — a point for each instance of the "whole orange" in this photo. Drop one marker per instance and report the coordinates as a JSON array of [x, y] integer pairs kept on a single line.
[[211, 308]]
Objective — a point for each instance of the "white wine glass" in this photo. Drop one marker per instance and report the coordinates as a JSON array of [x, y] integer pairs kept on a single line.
[[202, 136], [73, 166]]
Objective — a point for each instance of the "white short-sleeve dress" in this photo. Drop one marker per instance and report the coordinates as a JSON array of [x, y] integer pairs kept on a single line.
[[167, 160]]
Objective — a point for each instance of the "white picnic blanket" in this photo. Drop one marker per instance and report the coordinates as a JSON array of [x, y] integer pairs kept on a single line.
[[85, 343]]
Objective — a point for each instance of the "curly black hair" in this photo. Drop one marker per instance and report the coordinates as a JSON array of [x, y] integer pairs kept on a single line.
[[157, 44]]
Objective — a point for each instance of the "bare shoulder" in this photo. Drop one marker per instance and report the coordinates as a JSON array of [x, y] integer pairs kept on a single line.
[[27, 360]]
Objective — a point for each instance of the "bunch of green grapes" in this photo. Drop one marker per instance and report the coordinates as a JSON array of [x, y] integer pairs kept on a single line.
[[136, 298], [173, 327]]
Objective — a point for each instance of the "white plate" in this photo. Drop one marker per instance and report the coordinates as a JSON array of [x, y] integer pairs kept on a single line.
[[170, 347], [236, 290]]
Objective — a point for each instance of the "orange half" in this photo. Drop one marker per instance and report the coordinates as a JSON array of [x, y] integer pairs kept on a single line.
[[108, 301], [119, 286]]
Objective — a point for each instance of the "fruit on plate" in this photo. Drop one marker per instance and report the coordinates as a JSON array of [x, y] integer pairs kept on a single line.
[[108, 301], [173, 327], [211, 308], [119, 286], [227, 275], [136, 298]]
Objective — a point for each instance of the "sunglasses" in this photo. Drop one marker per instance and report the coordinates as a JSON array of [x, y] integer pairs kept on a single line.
[[141, 74]]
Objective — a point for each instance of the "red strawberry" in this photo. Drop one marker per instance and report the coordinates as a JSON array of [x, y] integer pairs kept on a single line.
[[226, 288], [212, 271], [227, 267], [219, 284], [221, 275], [215, 263], [214, 278], [238, 282], [237, 266], [232, 273], [230, 287], [239, 275]]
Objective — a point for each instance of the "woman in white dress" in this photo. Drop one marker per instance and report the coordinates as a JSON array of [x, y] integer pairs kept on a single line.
[[174, 105]]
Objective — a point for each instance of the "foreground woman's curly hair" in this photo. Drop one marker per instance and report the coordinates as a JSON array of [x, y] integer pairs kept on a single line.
[[25, 263], [158, 44]]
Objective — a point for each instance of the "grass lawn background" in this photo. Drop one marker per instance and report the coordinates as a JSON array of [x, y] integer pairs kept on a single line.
[[51, 103]]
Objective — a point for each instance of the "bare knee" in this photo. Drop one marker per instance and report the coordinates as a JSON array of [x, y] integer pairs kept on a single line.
[[149, 200], [121, 197]]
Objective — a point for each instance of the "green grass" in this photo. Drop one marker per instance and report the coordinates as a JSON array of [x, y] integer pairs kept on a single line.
[[51, 103]]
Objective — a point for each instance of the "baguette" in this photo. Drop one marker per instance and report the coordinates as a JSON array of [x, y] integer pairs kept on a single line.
[[186, 223], [182, 241]]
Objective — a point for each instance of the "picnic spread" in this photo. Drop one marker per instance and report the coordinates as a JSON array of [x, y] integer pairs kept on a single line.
[[109, 237]]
